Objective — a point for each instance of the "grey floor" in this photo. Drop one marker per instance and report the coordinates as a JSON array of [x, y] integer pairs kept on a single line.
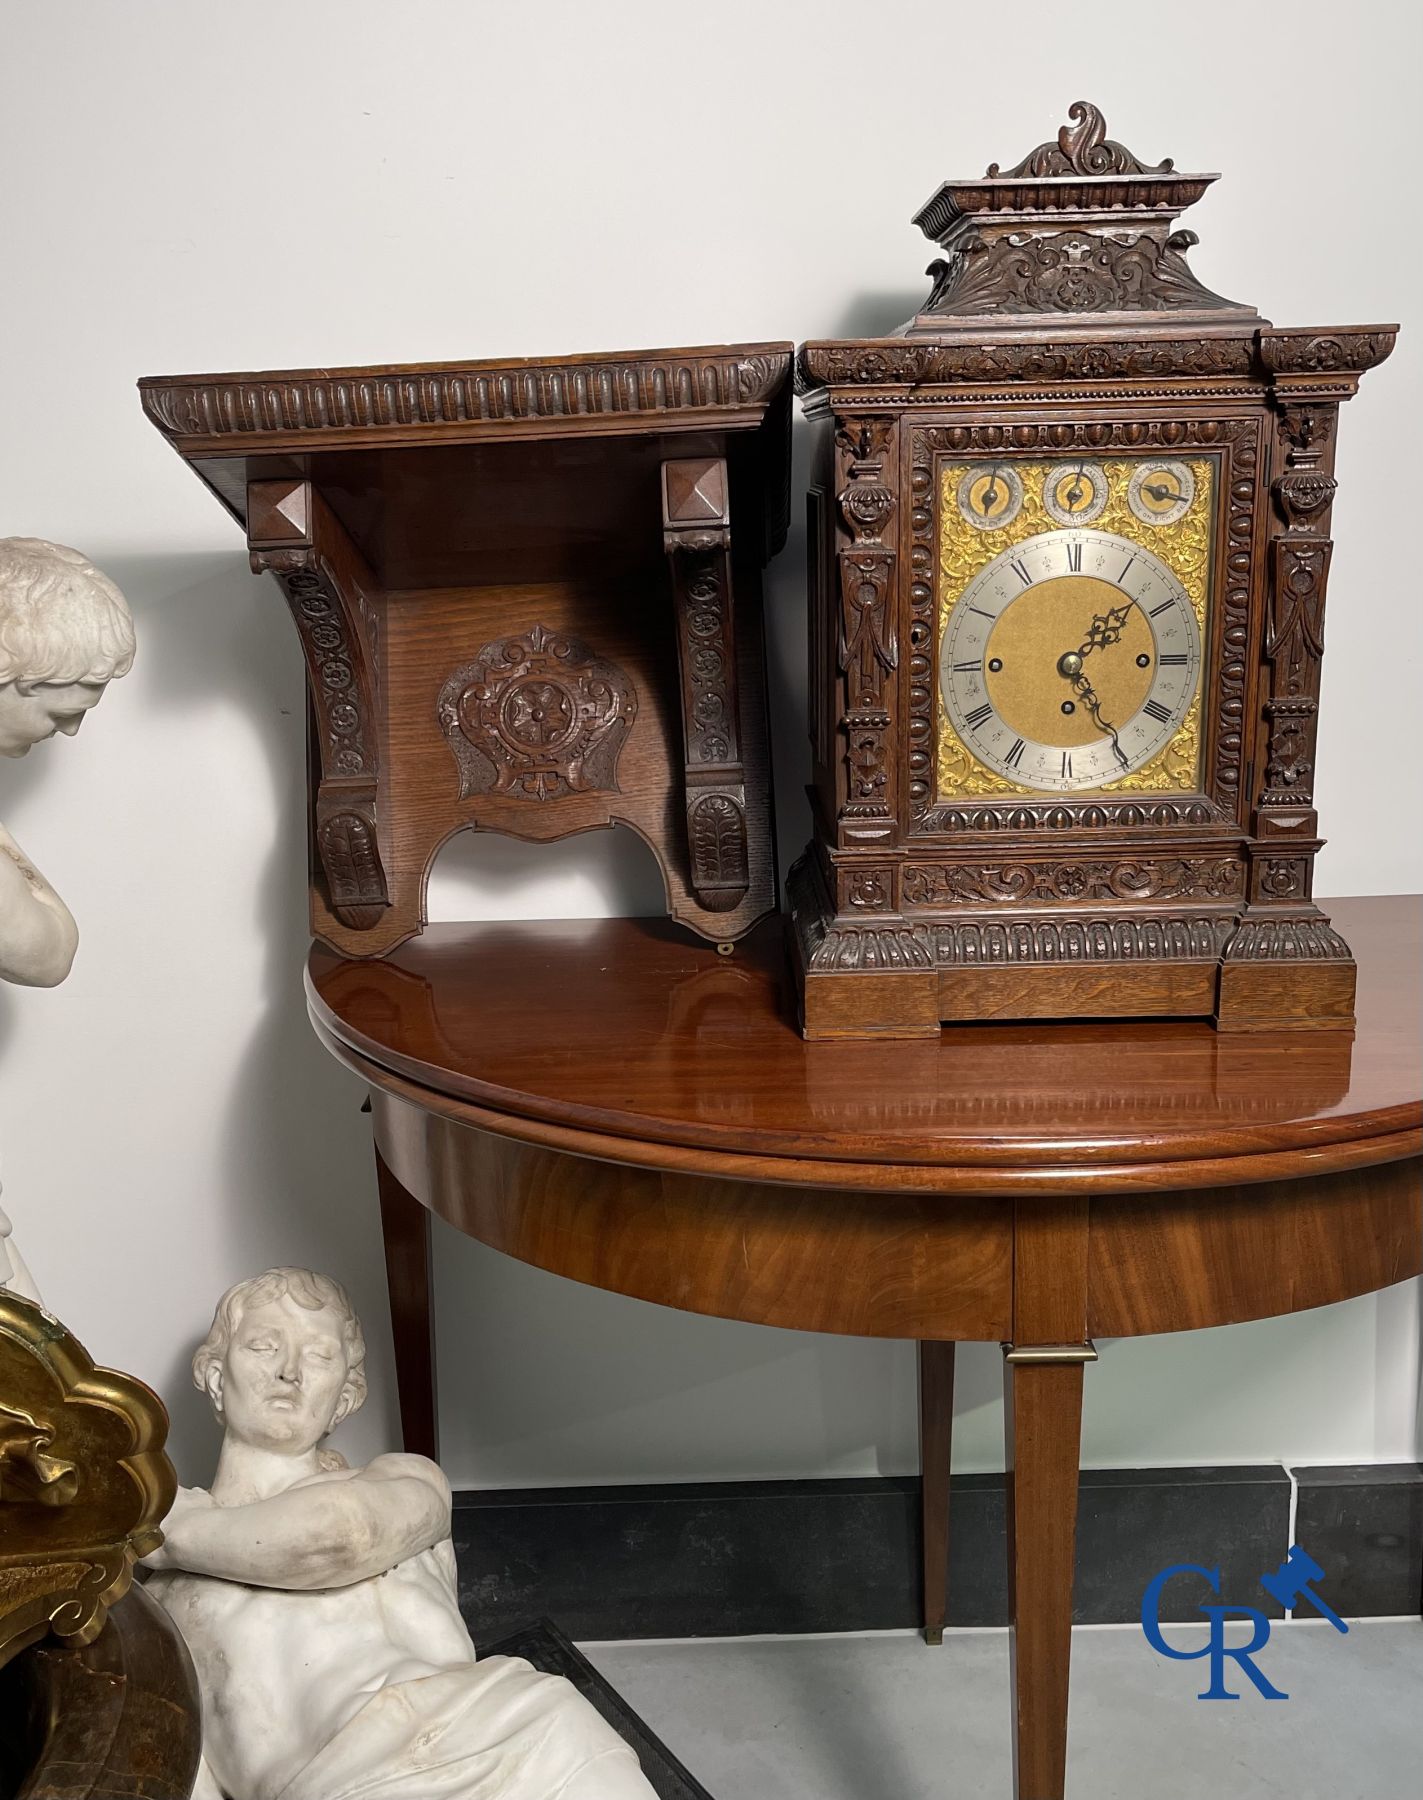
[[885, 1718]]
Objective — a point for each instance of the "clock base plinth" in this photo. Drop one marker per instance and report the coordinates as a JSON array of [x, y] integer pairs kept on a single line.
[[882, 974], [1286, 971], [874, 979], [913, 1004], [855, 1006]]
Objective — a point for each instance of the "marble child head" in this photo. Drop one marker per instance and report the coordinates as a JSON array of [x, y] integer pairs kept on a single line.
[[65, 633], [284, 1361]]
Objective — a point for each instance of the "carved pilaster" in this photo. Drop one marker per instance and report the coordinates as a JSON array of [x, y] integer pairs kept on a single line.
[[868, 638], [1310, 374], [696, 533], [292, 534], [1293, 644]]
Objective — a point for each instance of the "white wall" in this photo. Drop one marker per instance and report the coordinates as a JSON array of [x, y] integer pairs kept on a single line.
[[283, 183]]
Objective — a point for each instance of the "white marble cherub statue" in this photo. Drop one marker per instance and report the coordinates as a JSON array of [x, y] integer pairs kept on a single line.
[[320, 1605], [65, 633]]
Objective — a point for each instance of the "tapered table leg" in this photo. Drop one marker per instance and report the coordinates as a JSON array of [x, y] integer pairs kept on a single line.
[[405, 1225], [1043, 1412], [936, 1426]]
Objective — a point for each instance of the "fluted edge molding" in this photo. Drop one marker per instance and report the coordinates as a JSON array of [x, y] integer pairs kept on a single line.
[[337, 401]]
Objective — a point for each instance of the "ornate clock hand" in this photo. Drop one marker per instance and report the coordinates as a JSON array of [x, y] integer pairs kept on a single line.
[[1105, 629], [1159, 491], [1087, 694], [990, 493], [1076, 491]]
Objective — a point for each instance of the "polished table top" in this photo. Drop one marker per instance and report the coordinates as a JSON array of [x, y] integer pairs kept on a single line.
[[626, 1039]]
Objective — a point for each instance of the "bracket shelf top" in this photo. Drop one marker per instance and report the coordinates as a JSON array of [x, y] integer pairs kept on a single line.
[[400, 449], [723, 386]]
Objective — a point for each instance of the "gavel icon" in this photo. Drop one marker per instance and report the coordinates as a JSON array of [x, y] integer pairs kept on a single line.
[[1290, 1583]]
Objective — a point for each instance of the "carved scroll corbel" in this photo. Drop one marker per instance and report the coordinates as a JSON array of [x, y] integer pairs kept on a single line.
[[696, 534], [293, 534]]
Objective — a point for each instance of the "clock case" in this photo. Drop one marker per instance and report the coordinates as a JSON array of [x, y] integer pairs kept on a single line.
[[1064, 321]]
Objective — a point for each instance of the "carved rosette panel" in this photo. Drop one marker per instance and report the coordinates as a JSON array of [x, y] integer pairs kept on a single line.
[[1276, 878], [337, 627], [867, 889], [537, 717], [1148, 878], [1239, 439], [868, 644]]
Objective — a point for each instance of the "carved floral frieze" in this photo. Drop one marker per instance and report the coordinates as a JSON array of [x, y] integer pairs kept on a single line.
[[1143, 878]]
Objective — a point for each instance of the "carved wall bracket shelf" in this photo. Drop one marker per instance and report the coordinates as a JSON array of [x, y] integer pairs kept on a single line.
[[528, 596]]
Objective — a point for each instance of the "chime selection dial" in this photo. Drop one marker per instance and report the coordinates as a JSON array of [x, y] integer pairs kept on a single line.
[[1075, 493]]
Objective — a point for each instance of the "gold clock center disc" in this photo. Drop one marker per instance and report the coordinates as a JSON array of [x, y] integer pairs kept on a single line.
[[1046, 622]]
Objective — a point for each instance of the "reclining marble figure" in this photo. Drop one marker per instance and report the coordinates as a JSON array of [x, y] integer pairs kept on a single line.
[[65, 633], [320, 1605]]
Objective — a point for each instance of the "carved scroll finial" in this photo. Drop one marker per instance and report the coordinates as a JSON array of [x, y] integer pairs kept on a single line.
[[1081, 149]]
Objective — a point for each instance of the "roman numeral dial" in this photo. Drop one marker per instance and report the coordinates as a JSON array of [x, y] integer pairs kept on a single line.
[[1071, 658]]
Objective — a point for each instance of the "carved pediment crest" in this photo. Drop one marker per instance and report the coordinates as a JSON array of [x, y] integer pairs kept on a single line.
[[1080, 226], [1080, 148]]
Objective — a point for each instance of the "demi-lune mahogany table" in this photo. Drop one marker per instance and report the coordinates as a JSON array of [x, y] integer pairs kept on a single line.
[[614, 1102]]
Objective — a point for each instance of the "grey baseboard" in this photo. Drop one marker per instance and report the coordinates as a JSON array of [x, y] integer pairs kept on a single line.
[[707, 1559]]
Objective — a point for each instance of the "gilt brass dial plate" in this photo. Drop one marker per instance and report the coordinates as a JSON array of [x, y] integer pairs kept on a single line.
[[1070, 656]]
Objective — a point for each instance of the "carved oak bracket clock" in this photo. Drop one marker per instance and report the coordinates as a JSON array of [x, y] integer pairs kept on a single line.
[[528, 595], [1073, 537]]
